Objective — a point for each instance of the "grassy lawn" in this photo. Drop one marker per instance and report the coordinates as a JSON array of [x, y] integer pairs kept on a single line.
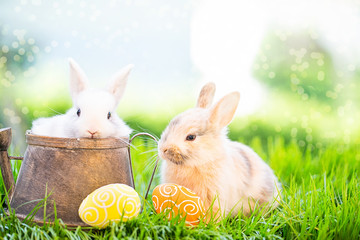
[[321, 200]]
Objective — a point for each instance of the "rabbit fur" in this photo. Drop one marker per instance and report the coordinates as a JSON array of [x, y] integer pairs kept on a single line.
[[227, 175], [93, 114]]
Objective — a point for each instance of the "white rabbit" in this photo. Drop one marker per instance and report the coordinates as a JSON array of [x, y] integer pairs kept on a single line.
[[93, 114], [199, 156]]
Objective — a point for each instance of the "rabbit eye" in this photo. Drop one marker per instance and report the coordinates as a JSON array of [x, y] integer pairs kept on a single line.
[[78, 112], [109, 115], [190, 137]]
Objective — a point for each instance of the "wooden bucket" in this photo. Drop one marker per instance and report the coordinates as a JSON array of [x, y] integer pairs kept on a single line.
[[65, 169]]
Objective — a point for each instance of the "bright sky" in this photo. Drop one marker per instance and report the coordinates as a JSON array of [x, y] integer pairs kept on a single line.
[[176, 46], [226, 35]]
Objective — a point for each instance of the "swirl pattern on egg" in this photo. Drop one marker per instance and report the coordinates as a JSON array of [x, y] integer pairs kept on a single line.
[[113, 202], [174, 200]]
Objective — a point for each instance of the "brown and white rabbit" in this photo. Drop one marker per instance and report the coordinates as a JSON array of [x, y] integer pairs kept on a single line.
[[199, 156], [93, 114]]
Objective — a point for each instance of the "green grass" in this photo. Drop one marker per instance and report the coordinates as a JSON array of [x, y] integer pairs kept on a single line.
[[321, 200]]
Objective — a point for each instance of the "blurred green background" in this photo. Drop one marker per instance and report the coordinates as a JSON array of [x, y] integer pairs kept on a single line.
[[296, 65]]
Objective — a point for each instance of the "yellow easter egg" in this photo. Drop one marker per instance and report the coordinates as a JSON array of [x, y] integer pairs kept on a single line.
[[113, 202], [176, 200]]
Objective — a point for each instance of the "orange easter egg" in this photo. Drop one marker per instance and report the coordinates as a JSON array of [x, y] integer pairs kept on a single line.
[[177, 200]]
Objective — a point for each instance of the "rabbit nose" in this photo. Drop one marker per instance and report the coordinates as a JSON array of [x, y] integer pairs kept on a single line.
[[92, 133], [163, 151]]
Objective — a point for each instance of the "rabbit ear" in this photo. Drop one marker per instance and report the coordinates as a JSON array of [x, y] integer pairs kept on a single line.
[[118, 82], [223, 112], [78, 79], [206, 95]]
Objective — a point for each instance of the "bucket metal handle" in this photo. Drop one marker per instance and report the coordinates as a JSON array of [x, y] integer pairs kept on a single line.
[[8, 177], [156, 163]]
